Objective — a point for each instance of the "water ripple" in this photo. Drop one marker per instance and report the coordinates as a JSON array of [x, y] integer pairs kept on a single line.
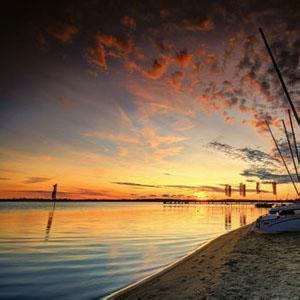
[[91, 249]]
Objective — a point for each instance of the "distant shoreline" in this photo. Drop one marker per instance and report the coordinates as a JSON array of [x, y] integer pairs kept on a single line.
[[169, 201]]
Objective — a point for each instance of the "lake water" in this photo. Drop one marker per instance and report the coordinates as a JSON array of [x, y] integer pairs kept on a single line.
[[87, 250]]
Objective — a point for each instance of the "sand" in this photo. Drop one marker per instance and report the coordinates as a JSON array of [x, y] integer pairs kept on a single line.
[[238, 265]]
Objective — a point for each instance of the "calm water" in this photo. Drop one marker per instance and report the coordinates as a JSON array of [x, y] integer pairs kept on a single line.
[[87, 250]]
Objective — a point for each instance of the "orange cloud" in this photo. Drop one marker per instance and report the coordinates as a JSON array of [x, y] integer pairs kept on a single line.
[[157, 69], [154, 97], [196, 67], [259, 121], [201, 51], [123, 152], [183, 125], [122, 44], [154, 139], [228, 119], [183, 58], [210, 59], [90, 157], [175, 80], [64, 33], [45, 158], [128, 22], [123, 138], [250, 80], [207, 103], [124, 119], [205, 25], [95, 56], [138, 53], [32, 180], [159, 154]]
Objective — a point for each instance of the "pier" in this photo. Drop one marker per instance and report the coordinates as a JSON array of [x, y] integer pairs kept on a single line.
[[223, 201]]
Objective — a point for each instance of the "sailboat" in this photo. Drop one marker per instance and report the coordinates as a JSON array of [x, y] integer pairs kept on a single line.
[[284, 218]]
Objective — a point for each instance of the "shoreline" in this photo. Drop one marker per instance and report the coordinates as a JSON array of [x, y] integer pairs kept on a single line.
[[233, 265], [169, 267]]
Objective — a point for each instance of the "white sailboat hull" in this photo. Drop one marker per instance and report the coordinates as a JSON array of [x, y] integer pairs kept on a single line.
[[281, 224]]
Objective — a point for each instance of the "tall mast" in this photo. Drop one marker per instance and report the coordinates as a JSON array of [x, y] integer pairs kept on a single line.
[[279, 151], [294, 137], [280, 77], [291, 151]]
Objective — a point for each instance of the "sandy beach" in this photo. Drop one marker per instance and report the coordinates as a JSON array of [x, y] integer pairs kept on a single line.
[[240, 264]]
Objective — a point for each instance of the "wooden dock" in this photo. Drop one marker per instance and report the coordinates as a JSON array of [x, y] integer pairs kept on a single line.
[[223, 201]]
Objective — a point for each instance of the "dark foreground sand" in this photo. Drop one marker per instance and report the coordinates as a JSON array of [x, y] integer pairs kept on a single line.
[[238, 265]]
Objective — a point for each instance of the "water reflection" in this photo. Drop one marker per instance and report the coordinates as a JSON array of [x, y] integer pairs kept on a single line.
[[243, 218], [228, 218], [211, 211], [49, 223], [99, 247]]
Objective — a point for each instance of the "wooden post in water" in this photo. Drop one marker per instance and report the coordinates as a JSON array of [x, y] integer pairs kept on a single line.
[[53, 196]]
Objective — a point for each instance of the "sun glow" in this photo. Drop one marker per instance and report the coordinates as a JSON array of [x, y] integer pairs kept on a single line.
[[201, 195]]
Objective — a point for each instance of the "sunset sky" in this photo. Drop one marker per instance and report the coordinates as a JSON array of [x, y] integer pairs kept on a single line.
[[144, 99]]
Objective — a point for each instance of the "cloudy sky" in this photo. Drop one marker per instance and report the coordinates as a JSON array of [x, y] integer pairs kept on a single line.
[[123, 99]]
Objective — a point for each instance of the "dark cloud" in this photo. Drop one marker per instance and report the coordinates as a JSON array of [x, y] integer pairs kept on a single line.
[[31, 180], [194, 188], [136, 184], [180, 186], [63, 194], [256, 65], [250, 180], [213, 189], [264, 166], [42, 193], [245, 154], [266, 175], [4, 178], [82, 191], [164, 46], [284, 148]]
